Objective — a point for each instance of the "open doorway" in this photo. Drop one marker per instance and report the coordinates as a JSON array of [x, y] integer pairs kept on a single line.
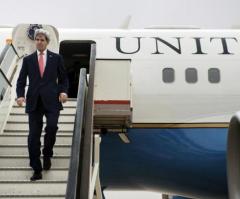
[[76, 55]]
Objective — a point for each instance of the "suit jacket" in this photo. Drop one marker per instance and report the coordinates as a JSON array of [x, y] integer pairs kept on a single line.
[[48, 87]]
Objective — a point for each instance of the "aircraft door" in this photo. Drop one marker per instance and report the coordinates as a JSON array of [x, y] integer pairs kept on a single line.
[[76, 55], [112, 94], [23, 38]]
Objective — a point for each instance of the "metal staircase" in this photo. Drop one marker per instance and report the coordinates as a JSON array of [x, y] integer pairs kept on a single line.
[[14, 162], [75, 163]]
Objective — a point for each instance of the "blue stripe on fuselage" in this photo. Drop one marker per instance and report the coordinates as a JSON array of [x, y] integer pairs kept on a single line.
[[188, 161]]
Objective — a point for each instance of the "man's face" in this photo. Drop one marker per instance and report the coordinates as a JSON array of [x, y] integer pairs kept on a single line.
[[41, 42]]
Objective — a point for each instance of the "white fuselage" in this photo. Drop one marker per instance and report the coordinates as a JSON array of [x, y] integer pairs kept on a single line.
[[153, 51], [155, 101]]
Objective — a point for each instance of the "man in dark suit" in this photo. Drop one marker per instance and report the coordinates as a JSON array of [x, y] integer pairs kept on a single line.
[[48, 85]]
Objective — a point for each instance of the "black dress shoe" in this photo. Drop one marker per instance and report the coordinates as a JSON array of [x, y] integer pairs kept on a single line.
[[47, 163], [36, 176]]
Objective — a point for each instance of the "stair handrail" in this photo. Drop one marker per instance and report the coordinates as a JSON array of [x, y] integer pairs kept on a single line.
[[9, 60], [79, 178], [73, 174], [3, 53], [2, 56], [80, 169], [88, 139]]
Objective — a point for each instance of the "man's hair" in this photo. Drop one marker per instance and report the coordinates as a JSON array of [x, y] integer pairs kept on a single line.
[[42, 32]]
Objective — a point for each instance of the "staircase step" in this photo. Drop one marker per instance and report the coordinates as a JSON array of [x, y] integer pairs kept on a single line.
[[23, 161], [67, 104], [32, 197], [31, 189], [44, 122], [24, 126], [15, 171], [25, 114], [20, 132], [23, 149], [24, 118], [14, 175], [64, 111], [15, 138]]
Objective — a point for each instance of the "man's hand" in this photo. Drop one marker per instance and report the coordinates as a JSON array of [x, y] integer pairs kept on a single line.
[[20, 101], [63, 97]]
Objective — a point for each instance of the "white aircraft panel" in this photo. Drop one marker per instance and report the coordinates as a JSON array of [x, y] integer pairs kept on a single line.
[[112, 80]]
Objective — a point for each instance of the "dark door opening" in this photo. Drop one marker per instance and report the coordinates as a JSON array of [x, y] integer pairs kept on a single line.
[[76, 55]]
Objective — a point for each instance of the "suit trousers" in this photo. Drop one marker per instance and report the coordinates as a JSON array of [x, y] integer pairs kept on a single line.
[[35, 130]]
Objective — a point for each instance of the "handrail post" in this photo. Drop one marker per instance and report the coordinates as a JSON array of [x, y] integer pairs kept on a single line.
[[95, 179]]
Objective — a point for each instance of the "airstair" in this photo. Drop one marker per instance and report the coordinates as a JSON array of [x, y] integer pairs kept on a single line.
[[75, 163], [14, 162]]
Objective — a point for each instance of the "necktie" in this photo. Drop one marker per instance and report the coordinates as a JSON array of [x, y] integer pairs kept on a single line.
[[41, 64]]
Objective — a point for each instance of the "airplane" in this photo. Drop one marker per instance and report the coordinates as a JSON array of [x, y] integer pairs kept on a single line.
[[180, 89]]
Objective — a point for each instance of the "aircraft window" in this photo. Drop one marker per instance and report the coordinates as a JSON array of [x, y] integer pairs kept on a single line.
[[191, 75], [168, 75], [214, 75]]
